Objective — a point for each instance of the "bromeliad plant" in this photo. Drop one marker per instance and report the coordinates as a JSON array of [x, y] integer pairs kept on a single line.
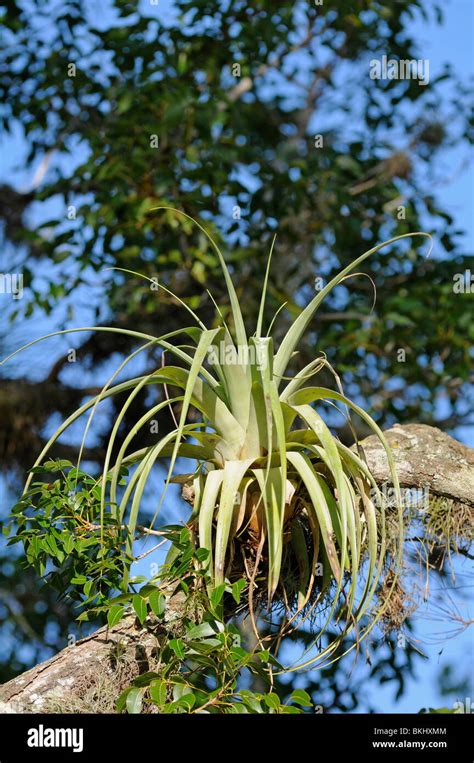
[[276, 497]]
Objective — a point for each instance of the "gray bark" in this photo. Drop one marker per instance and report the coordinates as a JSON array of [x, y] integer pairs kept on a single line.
[[79, 677], [426, 458]]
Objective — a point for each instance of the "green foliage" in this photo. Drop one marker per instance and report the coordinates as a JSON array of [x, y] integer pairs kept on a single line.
[[216, 653], [200, 670], [59, 525]]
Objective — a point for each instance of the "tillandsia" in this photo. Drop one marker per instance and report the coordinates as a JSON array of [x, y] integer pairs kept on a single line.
[[276, 498]]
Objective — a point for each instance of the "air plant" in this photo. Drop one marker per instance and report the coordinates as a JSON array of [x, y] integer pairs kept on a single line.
[[273, 489]]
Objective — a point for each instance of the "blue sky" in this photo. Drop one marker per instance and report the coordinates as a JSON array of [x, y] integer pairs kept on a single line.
[[452, 42]]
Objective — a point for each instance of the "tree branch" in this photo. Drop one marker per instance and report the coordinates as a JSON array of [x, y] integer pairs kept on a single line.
[[425, 458], [89, 663]]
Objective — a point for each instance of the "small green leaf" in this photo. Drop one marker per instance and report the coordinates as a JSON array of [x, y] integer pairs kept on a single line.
[[184, 536], [301, 697], [158, 691], [237, 589], [68, 544], [146, 590], [202, 555], [272, 700], [122, 700], [180, 689], [114, 615], [202, 631], [79, 580], [178, 647], [251, 701], [187, 701], [140, 607], [57, 465], [157, 602], [88, 587], [125, 102], [145, 679], [217, 595], [134, 700]]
